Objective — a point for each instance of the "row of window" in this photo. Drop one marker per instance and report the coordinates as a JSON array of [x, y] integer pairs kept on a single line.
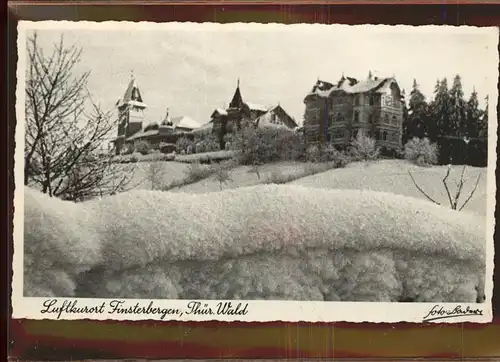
[[339, 117], [390, 101], [372, 100], [368, 100], [378, 135]]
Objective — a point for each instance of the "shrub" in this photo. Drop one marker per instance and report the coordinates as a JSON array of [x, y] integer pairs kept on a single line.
[[363, 149], [315, 168], [313, 154], [222, 172], [330, 154], [134, 157], [196, 172], [254, 149], [183, 144], [264, 145], [155, 175], [277, 177], [165, 147], [290, 145], [205, 142], [421, 152], [327, 153], [128, 148], [142, 147]]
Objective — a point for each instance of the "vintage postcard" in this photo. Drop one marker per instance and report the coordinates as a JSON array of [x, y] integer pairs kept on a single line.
[[255, 172]]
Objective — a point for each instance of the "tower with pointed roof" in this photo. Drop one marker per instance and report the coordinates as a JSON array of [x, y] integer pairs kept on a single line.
[[237, 101], [130, 113]]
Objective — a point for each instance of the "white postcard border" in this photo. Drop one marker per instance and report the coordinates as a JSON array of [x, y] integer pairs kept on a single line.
[[256, 311]]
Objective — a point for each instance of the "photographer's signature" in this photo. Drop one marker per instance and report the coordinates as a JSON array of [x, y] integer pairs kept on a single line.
[[439, 312]]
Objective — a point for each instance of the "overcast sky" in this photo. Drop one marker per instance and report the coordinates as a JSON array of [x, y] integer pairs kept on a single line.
[[193, 68]]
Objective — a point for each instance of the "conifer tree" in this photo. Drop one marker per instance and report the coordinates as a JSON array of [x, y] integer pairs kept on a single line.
[[438, 124], [417, 114], [457, 109], [484, 120], [473, 119]]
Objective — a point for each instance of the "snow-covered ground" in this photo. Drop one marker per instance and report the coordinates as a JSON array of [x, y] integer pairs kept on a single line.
[[392, 176], [260, 242], [165, 173], [384, 175], [242, 176]]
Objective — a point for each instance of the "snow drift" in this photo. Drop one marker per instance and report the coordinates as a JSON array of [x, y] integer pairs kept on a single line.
[[261, 242]]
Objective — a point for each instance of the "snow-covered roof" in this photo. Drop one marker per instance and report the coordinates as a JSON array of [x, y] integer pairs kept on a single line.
[[132, 95], [220, 111], [351, 86], [257, 107], [266, 120], [143, 134], [185, 122]]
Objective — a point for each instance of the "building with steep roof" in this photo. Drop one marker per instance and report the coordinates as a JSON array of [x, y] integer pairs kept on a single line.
[[242, 114], [336, 113], [130, 114], [132, 126], [276, 117]]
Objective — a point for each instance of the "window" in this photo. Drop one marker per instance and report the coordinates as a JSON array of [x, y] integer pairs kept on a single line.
[[372, 100], [355, 133], [338, 134], [356, 116], [370, 118], [356, 100], [377, 134], [394, 120], [388, 100], [331, 119], [384, 136], [386, 118]]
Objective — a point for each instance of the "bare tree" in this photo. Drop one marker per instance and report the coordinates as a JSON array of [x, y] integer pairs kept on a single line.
[[65, 129], [222, 172], [453, 200], [155, 175], [255, 168]]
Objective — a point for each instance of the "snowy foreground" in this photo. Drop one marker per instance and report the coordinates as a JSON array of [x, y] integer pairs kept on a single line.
[[260, 242]]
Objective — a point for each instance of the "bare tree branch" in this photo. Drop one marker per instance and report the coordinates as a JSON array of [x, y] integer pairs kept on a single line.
[[471, 193], [460, 186], [65, 128], [446, 186], [422, 191]]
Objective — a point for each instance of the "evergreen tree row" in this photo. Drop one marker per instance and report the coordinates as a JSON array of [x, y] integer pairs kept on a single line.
[[458, 126]]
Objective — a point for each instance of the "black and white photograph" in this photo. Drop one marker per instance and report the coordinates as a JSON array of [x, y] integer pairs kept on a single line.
[[255, 172]]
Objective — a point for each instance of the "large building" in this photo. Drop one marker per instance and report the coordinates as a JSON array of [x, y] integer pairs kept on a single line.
[[132, 126], [242, 114], [336, 113]]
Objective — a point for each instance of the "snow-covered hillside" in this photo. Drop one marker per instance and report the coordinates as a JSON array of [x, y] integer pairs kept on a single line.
[[392, 176], [261, 242]]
